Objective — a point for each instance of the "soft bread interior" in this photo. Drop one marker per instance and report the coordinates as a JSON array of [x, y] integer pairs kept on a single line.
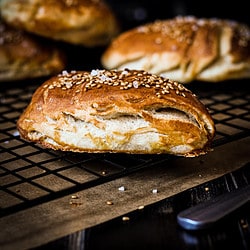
[[218, 70], [123, 133]]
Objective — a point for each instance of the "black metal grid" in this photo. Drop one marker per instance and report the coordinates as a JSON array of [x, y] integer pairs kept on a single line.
[[31, 175]]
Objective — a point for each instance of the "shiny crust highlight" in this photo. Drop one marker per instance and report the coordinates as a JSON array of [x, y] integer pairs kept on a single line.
[[127, 111]]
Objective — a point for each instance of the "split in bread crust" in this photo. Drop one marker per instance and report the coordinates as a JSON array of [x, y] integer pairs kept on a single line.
[[127, 111], [184, 49]]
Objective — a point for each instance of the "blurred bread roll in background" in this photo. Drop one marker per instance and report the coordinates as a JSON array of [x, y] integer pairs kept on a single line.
[[24, 56], [185, 48], [81, 22]]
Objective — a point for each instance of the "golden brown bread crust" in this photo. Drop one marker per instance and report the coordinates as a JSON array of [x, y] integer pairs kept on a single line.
[[82, 22], [24, 56], [184, 49], [117, 111]]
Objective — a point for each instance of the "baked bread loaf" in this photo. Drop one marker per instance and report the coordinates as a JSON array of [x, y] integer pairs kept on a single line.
[[81, 22], [127, 111], [24, 56], [184, 49]]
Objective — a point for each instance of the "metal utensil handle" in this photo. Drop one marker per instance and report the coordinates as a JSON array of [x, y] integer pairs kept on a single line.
[[205, 214]]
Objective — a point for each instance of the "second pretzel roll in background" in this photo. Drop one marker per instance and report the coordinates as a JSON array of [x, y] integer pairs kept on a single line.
[[185, 49], [127, 111], [26, 56], [87, 23]]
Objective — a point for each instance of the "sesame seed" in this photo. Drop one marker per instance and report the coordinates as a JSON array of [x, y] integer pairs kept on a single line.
[[135, 84], [95, 105], [123, 79]]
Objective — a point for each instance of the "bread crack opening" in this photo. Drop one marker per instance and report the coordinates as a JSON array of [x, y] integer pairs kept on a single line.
[[172, 113]]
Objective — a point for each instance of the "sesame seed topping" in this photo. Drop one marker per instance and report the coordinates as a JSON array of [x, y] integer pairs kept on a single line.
[[184, 28], [123, 79]]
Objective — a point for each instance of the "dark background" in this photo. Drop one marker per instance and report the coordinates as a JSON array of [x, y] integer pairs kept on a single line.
[[132, 13]]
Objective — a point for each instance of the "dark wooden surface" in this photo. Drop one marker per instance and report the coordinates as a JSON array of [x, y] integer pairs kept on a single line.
[[156, 227]]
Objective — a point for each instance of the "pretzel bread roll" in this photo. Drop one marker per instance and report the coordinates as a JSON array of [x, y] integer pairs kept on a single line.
[[24, 56], [184, 49], [127, 111], [81, 22]]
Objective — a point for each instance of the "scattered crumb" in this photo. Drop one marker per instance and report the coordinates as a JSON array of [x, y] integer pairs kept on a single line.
[[109, 203], [15, 133], [125, 218], [154, 191], [122, 188]]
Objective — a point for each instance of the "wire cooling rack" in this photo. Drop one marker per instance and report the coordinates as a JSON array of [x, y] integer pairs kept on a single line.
[[31, 175]]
